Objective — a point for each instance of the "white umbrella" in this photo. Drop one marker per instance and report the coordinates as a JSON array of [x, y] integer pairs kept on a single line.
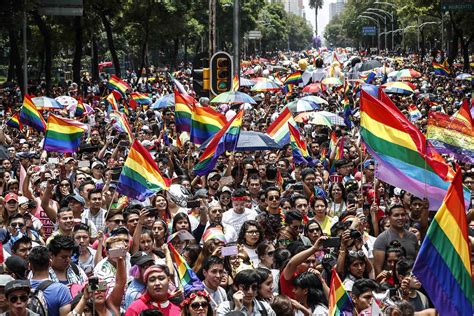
[[66, 100], [46, 103]]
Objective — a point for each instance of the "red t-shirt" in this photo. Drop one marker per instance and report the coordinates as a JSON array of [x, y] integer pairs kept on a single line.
[[286, 286], [145, 303]]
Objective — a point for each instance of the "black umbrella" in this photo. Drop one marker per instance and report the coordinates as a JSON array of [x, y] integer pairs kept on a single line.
[[249, 141], [370, 64]]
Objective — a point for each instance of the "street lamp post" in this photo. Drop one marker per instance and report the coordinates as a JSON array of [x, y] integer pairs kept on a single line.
[[393, 7], [384, 19], [236, 39], [378, 28], [389, 15]]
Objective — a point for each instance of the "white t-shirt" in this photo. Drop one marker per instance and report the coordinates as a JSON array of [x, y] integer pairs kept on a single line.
[[235, 220]]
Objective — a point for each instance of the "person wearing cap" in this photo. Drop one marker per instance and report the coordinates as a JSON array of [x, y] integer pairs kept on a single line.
[[17, 295], [213, 184], [369, 171], [157, 280], [4, 279], [140, 262], [97, 172], [10, 203], [345, 169], [22, 247], [16, 228], [238, 214], [17, 267]]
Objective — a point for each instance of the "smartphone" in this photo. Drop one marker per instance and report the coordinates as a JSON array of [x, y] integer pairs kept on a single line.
[[193, 204], [332, 242], [229, 251], [84, 164], [298, 187], [124, 143], [116, 173], [53, 160], [119, 252], [93, 284], [53, 181]]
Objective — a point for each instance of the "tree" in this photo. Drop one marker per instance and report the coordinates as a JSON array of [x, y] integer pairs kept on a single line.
[[300, 32], [316, 5]]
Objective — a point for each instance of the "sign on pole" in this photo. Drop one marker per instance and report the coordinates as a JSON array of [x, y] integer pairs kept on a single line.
[[369, 30], [255, 35], [457, 5], [61, 7]]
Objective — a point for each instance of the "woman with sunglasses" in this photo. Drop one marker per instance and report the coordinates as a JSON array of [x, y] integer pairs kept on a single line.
[[313, 230], [196, 303], [244, 296], [62, 190]]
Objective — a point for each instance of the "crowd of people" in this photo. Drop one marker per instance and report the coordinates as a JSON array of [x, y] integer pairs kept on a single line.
[[262, 233]]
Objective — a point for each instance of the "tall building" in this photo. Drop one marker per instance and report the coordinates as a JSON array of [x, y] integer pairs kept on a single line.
[[336, 8], [293, 6]]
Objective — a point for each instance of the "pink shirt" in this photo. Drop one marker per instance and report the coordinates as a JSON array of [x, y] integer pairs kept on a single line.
[[144, 303]]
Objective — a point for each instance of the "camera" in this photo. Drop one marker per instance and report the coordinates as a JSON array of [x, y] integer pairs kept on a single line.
[[355, 234]]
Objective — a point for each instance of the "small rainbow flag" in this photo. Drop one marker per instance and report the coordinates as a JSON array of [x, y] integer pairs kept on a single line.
[[112, 102], [278, 130], [183, 111], [225, 140], [205, 123], [187, 278], [117, 84], [347, 112], [298, 146], [294, 78], [14, 121], [440, 69], [30, 116], [443, 264], [140, 177], [235, 83], [63, 135], [414, 113], [339, 300], [140, 98], [79, 111], [120, 123]]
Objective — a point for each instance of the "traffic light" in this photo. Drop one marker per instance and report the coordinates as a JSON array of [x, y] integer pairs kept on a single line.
[[201, 75], [221, 73]]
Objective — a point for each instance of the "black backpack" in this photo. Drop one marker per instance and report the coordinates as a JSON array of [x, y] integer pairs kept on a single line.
[[37, 303]]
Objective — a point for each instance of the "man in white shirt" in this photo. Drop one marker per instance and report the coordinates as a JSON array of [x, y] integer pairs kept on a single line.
[[238, 214]]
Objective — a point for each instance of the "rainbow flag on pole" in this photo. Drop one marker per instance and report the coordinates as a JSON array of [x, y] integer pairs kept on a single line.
[[30, 116], [235, 83], [187, 277], [278, 130], [339, 300], [120, 123], [400, 149], [63, 135], [117, 84], [140, 98], [294, 78], [443, 264], [440, 69], [205, 123], [140, 177], [298, 146], [14, 121], [183, 111], [112, 102], [225, 140]]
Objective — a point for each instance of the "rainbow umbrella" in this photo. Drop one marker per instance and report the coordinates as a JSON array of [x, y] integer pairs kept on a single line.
[[398, 88], [314, 118], [332, 81], [265, 85], [314, 99], [235, 97], [244, 82], [405, 74], [301, 105], [333, 118], [45, 103]]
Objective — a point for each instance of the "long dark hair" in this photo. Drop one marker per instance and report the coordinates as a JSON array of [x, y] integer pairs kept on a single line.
[[245, 227], [179, 217], [311, 282]]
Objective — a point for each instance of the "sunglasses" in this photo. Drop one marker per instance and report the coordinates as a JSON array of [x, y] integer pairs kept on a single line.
[[314, 230], [356, 254], [15, 225], [14, 299], [198, 305], [273, 198]]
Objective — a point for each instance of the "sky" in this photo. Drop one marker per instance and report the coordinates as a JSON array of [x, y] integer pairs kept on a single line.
[[323, 15]]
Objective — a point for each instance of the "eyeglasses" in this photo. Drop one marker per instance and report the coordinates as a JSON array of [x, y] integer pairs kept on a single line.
[[284, 241], [273, 198], [14, 299], [314, 230], [253, 232], [15, 225], [198, 305], [65, 185]]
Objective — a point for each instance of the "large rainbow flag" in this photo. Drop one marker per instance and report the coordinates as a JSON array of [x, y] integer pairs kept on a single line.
[[339, 300], [205, 123], [294, 78], [30, 116], [450, 135], [63, 135], [278, 130], [140, 177], [183, 111], [443, 264], [225, 140], [187, 277], [117, 84], [298, 146], [400, 149]]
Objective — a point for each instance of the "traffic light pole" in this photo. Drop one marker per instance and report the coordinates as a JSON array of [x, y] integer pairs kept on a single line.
[[212, 27], [236, 39]]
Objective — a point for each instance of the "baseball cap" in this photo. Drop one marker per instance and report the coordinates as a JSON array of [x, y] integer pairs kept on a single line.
[[368, 162], [17, 265], [17, 285], [4, 279], [11, 196], [139, 258], [212, 175], [97, 163], [69, 159], [77, 198]]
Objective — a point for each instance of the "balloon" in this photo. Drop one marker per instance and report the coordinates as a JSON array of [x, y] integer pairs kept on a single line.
[[303, 63], [230, 114]]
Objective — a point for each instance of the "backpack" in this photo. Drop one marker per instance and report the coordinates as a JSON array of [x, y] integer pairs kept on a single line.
[[37, 303]]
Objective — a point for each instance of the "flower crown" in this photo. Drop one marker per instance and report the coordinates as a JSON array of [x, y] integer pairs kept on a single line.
[[193, 295]]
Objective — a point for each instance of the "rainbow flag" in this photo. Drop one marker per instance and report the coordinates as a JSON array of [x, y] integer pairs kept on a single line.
[[140, 98], [465, 114], [63, 135], [120, 123], [294, 78], [414, 113], [225, 140], [140, 177], [347, 112], [187, 277], [332, 142], [339, 301], [14, 121], [403, 159], [183, 111], [452, 136], [117, 84], [443, 264], [278, 130], [30, 116], [112, 102], [205, 123], [235, 83], [440, 69], [178, 85], [298, 146], [80, 109]]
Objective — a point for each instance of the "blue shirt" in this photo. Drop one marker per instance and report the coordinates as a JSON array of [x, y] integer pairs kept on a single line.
[[134, 291], [56, 295]]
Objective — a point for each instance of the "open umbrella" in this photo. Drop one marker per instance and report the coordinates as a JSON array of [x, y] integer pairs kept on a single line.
[[398, 88], [405, 74], [265, 85], [165, 101], [235, 97], [66, 100], [301, 105], [244, 82], [249, 141], [333, 118], [312, 88], [314, 99], [332, 81], [314, 118], [464, 77], [45, 103], [370, 64]]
